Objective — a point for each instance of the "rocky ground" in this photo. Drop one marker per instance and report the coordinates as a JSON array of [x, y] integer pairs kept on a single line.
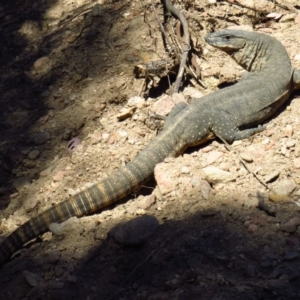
[[72, 111]]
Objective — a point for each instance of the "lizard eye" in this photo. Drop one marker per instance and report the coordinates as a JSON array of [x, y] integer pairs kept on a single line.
[[227, 37]]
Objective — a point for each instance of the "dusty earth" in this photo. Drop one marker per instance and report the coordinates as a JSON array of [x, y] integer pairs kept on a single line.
[[67, 78]]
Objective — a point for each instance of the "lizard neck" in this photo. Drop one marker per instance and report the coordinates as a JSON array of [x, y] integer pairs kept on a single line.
[[258, 54]]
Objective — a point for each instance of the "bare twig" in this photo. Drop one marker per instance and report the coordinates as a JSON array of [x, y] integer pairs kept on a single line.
[[243, 162], [186, 40]]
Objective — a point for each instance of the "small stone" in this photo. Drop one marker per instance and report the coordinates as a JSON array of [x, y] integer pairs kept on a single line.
[[224, 166], [192, 93], [28, 163], [163, 106], [76, 78], [20, 183], [297, 150], [42, 64], [59, 271], [79, 254], [266, 141], [32, 279], [215, 175], [125, 114], [272, 176], [135, 231], [297, 19], [288, 130], [196, 181], [213, 156], [205, 189], [252, 228], [140, 212], [185, 170], [122, 133], [291, 225], [64, 228], [165, 182], [59, 176], [284, 187], [296, 162], [53, 256], [33, 154], [290, 144], [283, 150], [30, 204], [291, 255], [136, 101], [247, 157], [42, 138], [278, 197], [287, 18], [46, 172], [147, 201]]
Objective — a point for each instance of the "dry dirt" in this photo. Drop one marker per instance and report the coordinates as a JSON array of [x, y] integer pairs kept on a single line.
[[67, 72]]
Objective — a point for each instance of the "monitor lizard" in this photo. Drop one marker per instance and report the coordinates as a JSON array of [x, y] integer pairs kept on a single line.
[[224, 113]]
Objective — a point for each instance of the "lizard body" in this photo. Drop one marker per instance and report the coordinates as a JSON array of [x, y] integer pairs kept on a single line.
[[225, 113]]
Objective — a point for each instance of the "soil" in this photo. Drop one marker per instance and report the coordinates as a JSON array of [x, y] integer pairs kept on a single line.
[[70, 116]]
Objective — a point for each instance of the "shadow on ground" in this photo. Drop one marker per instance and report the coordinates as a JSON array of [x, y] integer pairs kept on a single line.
[[209, 255]]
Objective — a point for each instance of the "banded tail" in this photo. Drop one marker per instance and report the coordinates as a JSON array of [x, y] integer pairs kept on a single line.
[[116, 186]]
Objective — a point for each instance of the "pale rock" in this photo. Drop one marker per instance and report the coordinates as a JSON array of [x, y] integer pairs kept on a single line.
[[58, 176], [122, 133], [215, 175], [196, 181], [147, 201], [163, 106], [284, 187], [213, 156], [246, 156], [165, 183], [192, 92], [65, 227], [185, 170], [283, 150], [205, 189], [288, 130], [296, 162], [125, 114], [290, 143], [178, 97], [297, 150], [136, 101]]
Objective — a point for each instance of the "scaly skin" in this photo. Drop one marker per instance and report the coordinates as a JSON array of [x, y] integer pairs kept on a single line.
[[222, 113]]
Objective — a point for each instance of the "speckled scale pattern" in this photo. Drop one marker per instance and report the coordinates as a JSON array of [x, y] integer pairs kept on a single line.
[[223, 113]]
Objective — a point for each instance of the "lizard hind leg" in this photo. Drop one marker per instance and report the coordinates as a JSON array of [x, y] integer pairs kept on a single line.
[[227, 130]]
